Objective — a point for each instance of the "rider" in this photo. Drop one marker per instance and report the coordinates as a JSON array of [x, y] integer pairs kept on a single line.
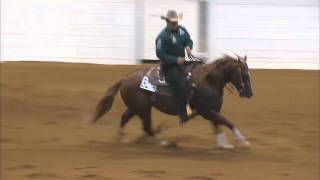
[[171, 44]]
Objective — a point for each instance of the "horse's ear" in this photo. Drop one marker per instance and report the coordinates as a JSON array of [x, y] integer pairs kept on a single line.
[[245, 58], [239, 58]]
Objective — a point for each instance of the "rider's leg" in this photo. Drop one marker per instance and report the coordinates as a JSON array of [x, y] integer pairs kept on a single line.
[[177, 79]]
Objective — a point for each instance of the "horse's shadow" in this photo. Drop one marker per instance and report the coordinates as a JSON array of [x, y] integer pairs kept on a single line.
[[149, 148]]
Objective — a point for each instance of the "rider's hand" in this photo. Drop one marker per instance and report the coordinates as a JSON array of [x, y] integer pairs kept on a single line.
[[188, 49], [180, 60]]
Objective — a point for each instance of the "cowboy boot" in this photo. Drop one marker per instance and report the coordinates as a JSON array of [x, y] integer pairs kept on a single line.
[[189, 110]]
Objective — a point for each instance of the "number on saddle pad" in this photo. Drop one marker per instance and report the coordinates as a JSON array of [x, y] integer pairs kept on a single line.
[[145, 84]]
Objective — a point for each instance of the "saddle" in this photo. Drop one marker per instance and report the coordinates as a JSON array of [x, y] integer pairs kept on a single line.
[[154, 79]]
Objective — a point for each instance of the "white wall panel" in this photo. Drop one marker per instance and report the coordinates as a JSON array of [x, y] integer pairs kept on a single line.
[[274, 34], [93, 31]]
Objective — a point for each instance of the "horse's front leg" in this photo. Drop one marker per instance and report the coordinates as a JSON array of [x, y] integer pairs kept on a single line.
[[218, 119], [221, 138]]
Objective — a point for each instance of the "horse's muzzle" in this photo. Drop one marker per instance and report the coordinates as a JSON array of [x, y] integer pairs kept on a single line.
[[245, 94]]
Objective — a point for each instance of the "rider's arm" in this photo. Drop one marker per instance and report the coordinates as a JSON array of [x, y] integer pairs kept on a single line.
[[161, 52], [189, 42]]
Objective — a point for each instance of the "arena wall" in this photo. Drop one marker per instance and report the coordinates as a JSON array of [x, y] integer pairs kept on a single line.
[[274, 34]]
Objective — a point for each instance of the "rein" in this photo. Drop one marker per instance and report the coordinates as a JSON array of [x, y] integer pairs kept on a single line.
[[194, 58]]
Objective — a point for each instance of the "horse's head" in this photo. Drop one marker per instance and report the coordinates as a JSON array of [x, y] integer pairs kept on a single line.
[[229, 70], [239, 76]]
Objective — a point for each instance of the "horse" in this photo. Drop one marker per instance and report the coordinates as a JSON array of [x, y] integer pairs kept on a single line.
[[210, 80]]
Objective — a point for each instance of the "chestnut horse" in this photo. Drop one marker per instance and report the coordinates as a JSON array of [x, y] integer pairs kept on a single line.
[[210, 80]]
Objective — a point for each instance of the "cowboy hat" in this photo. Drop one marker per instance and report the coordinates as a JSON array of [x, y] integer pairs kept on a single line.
[[172, 16]]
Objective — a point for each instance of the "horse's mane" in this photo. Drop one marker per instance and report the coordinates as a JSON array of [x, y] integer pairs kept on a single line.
[[225, 59], [203, 70]]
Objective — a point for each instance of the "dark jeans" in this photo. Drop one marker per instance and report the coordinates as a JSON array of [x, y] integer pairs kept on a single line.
[[177, 79]]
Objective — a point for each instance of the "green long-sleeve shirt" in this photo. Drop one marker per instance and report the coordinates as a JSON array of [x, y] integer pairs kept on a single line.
[[171, 44]]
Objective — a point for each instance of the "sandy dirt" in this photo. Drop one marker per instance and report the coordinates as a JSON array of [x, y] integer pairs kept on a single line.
[[44, 134]]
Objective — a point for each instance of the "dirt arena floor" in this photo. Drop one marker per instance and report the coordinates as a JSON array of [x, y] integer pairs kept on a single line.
[[44, 134]]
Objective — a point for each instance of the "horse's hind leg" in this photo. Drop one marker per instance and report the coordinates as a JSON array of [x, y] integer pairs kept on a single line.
[[126, 116], [146, 122], [147, 127]]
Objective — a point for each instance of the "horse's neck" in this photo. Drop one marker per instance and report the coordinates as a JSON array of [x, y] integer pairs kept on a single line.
[[212, 75], [192, 66], [217, 80]]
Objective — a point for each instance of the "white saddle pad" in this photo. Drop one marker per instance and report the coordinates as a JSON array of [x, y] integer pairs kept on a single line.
[[145, 84]]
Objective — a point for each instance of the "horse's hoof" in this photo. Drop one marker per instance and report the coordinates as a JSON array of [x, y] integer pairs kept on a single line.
[[225, 146], [242, 143], [165, 143], [122, 139]]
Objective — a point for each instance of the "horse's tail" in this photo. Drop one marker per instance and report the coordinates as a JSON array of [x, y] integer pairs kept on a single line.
[[106, 101]]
